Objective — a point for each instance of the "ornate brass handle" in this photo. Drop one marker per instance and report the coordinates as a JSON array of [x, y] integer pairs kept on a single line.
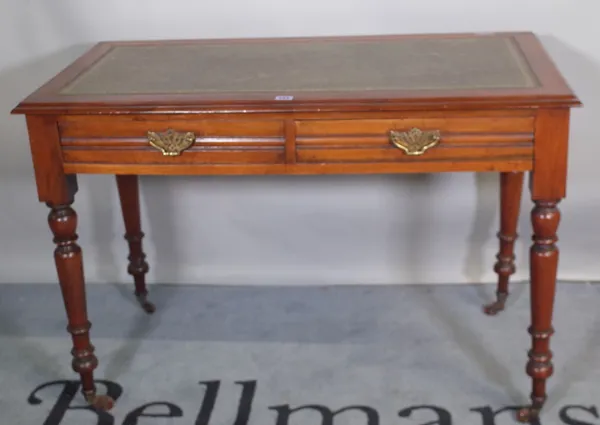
[[171, 142], [414, 141]]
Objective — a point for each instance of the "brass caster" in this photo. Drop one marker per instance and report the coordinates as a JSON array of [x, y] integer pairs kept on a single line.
[[528, 414], [497, 306], [146, 305], [100, 402]]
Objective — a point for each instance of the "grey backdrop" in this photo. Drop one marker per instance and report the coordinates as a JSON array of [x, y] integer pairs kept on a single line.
[[289, 230]]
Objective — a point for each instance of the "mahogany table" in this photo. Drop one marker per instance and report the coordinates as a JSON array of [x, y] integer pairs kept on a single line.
[[345, 105]]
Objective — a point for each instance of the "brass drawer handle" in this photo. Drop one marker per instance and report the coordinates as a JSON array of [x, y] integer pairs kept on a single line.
[[415, 141], [171, 142]]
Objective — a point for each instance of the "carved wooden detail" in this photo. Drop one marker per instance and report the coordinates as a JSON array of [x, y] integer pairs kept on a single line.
[[128, 187], [511, 188], [545, 218]]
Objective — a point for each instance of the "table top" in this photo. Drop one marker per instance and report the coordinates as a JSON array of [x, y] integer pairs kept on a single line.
[[394, 71]]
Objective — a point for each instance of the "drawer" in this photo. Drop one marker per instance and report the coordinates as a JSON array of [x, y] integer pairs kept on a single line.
[[176, 139], [451, 138]]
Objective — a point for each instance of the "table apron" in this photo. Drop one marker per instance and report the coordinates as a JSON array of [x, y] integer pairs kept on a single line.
[[329, 144]]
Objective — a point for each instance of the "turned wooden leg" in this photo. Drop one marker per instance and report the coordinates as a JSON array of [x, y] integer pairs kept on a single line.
[[511, 187], [63, 223], [543, 266], [138, 267]]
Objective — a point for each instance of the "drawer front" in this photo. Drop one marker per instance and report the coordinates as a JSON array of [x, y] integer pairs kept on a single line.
[[449, 138], [174, 139]]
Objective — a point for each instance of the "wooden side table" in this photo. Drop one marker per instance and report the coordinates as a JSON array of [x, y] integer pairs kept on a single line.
[[346, 105]]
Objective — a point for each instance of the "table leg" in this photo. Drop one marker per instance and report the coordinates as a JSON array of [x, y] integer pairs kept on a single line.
[[511, 187], [543, 267], [67, 255], [128, 187]]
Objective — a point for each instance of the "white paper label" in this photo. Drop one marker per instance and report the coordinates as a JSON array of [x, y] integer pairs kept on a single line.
[[284, 97]]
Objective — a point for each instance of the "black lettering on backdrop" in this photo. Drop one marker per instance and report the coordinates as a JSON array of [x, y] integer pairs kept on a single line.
[[68, 393], [489, 416], [208, 402], [70, 389], [567, 419], [245, 404], [133, 416], [284, 412], [444, 417], [210, 397]]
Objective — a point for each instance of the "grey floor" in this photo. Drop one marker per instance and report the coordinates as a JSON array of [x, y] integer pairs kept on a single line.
[[388, 349]]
